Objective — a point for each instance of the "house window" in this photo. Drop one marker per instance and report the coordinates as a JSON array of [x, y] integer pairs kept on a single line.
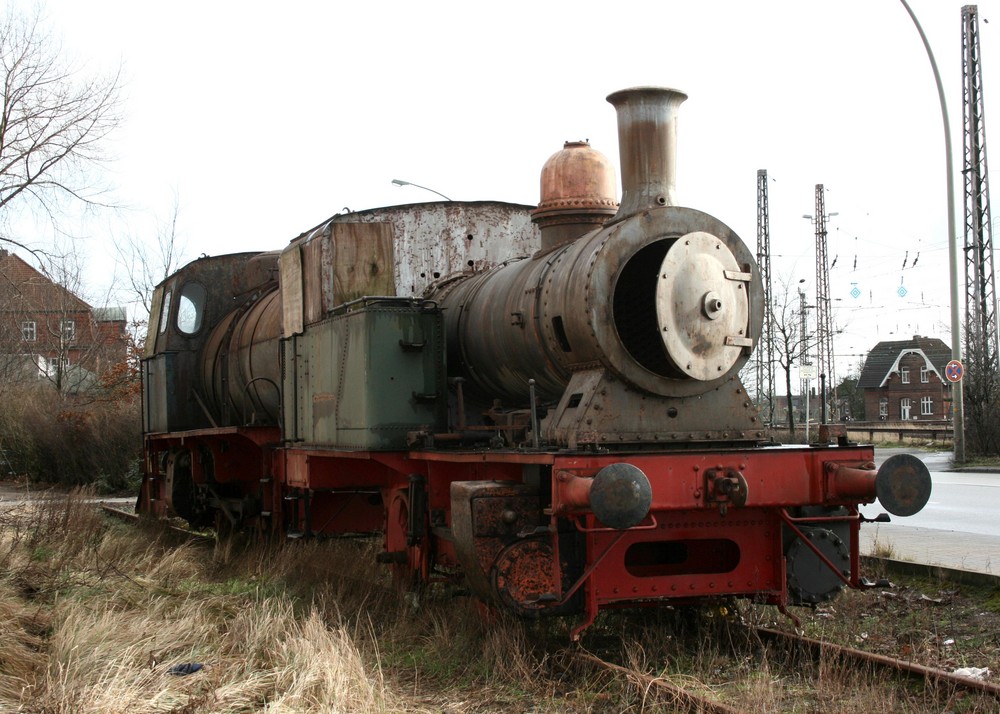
[[29, 330], [904, 408], [883, 407], [926, 406], [904, 375], [55, 366], [924, 374], [67, 328]]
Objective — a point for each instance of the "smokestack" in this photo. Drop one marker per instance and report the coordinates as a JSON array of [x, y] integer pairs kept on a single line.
[[647, 147]]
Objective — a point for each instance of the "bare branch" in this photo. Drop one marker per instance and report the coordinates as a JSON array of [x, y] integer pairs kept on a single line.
[[53, 120]]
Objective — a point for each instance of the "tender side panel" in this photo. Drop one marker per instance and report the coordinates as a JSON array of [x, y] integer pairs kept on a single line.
[[366, 378]]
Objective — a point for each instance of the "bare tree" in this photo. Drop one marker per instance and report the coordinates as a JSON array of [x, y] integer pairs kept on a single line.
[[147, 261], [981, 395], [789, 341], [53, 121]]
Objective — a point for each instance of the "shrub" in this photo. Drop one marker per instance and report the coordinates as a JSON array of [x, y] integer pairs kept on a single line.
[[71, 440]]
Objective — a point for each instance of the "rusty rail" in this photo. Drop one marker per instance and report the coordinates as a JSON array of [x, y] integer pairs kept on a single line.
[[678, 696], [134, 518], [929, 674]]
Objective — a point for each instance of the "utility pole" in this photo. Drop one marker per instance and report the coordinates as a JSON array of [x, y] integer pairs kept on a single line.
[[980, 291], [765, 345], [806, 369], [824, 316]]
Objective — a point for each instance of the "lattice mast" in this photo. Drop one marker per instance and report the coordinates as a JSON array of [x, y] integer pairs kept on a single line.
[[824, 314], [980, 290], [804, 360], [765, 345]]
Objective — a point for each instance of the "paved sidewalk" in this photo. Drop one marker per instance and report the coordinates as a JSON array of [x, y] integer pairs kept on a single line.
[[927, 546]]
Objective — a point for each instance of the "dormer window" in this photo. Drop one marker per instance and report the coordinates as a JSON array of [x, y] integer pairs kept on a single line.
[[904, 375]]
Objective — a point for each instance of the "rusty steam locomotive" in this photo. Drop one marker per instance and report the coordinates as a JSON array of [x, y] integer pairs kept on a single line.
[[545, 399]]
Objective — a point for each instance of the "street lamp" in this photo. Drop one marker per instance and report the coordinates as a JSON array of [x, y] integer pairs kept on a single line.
[[401, 182], [958, 408]]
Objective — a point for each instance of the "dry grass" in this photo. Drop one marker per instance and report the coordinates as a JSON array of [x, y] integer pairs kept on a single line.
[[92, 618], [94, 613]]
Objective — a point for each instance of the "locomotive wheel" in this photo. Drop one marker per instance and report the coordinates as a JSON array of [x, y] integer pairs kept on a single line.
[[410, 564]]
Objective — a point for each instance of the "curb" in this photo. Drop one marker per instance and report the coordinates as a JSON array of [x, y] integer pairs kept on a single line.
[[954, 575]]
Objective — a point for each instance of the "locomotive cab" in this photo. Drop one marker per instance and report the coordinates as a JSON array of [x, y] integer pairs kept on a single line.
[[186, 307]]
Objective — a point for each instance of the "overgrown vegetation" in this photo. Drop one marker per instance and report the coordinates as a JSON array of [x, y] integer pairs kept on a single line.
[[981, 390], [71, 441], [93, 618]]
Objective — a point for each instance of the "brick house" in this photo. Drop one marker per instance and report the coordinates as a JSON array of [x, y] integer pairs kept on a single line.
[[904, 380], [49, 333]]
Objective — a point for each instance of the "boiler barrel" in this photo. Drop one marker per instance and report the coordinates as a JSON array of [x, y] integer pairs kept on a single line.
[[240, 369], [668, 301]]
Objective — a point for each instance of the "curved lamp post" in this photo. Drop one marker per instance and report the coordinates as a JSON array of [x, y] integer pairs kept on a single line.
[[401, 182], [958, 411]]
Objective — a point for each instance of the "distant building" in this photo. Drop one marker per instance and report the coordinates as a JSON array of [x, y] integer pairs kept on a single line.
[[780, 416], [47, 332], [904, 380]]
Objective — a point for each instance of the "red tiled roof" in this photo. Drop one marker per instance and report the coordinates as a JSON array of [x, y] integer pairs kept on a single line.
[[23, 288]]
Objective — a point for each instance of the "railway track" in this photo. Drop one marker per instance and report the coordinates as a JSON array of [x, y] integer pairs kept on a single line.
[[680, 698], [818, 649], [940, 685], [132, 517]]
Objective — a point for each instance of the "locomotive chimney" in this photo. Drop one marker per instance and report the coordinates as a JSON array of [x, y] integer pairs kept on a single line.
[[647, 147]]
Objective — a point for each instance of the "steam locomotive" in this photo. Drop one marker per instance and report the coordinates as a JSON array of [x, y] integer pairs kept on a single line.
[[545, 399]]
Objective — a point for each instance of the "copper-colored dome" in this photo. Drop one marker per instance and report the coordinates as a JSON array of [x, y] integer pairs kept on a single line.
[[577, 189]]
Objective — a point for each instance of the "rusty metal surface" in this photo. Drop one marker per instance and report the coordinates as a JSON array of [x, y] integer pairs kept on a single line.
[[441, 238], [680, 699], [903, 485], [621, 495], [586, 303], [174, 385], [595, 410], [482, 526], [929, 674], [254, 367], [578, 194], [647, 147], [292, 298], [240, 368], [699, 306], [525, 575]]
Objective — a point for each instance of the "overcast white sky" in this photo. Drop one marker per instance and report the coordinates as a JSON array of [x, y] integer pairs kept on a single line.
[[267, 118]]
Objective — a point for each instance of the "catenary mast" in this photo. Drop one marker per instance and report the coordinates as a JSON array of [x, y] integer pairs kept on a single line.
[[980, 290], [824, 317], [765, 349]]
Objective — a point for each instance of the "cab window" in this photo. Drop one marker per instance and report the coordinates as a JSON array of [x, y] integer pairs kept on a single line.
[[165, 311], [190, 308]]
